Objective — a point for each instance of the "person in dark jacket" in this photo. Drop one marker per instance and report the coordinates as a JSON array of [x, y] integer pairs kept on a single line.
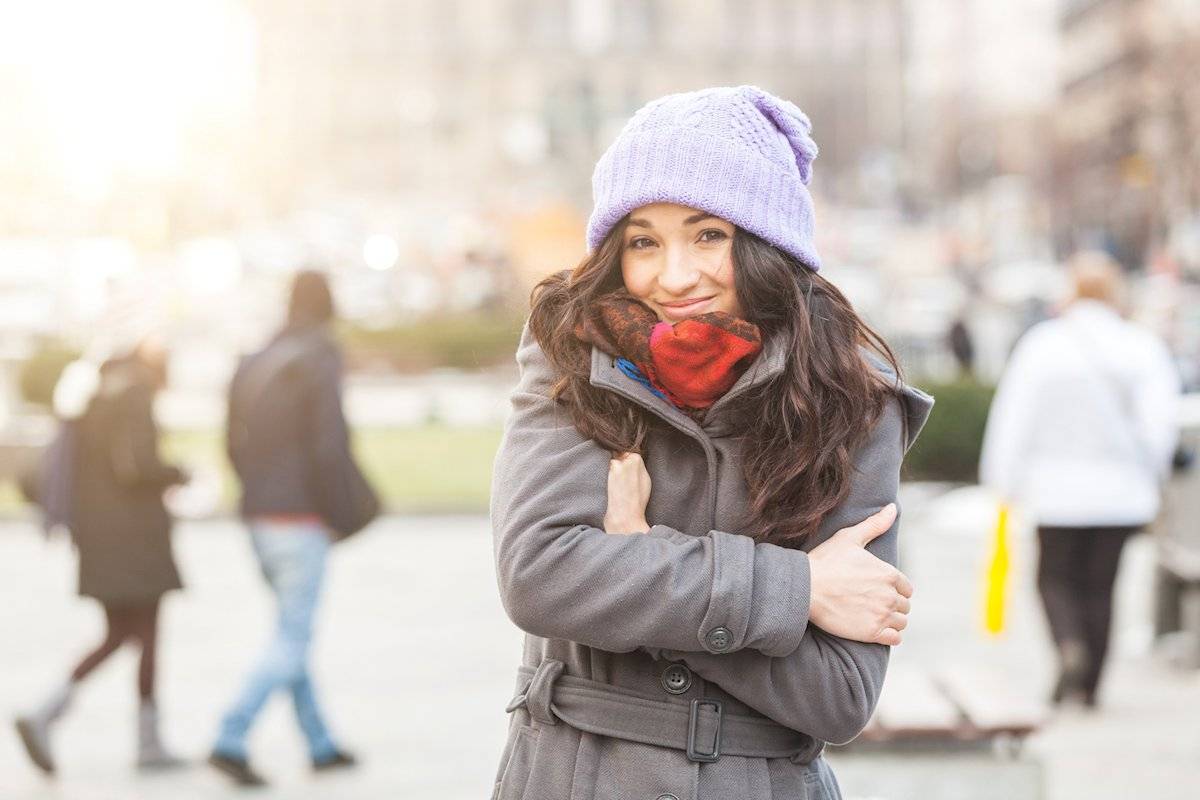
[[962, 346], [121, 529], [285, 427]]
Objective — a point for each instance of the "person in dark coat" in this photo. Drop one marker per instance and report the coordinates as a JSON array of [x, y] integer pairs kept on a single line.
[[286, 427], [121, 530], [962, 346]]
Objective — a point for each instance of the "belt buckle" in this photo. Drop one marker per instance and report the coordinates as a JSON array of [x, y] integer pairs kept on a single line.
[[692, 753]]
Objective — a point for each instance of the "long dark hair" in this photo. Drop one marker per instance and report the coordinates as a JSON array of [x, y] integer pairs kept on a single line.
[[809, 420]]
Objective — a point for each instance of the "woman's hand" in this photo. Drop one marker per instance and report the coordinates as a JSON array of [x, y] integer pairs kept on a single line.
[[854, 594], [628, 494]]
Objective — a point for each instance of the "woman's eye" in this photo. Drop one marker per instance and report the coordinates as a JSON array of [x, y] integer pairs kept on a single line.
[[713, 235], [640, 243]]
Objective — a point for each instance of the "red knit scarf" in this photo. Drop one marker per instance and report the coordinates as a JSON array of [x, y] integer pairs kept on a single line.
[[692, 363]]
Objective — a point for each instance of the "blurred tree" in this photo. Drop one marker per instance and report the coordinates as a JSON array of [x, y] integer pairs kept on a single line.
[[471, 340], [40, 372]]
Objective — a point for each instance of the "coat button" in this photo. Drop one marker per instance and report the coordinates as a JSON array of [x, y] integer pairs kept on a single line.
[[677, 679], [719, 639], [666, 797]]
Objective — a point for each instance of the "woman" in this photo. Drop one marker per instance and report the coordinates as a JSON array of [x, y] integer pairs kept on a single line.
[[694, 501], [1080, 436], [122, 532]]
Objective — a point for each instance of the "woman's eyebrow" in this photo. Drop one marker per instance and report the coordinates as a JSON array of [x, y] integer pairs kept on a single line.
[[641, 223]]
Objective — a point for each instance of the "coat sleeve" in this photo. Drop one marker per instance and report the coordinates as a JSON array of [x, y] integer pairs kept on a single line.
[[561, 576], [134, 445], [1011, 418], [1157, 402], [330, 431], [234, 422], [828, 687]]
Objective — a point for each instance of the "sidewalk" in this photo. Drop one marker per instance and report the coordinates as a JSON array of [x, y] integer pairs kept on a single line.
[[1143, 742], [423, 727], [430, 727]]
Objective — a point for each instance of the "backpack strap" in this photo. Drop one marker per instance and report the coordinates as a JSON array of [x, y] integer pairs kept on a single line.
[[250, 385], [1119, 390]]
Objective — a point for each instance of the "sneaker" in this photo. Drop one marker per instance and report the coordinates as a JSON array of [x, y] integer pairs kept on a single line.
[[1073, 665], [152, 754], [159, 760], [35, 735], [339, 760], [236, 768]]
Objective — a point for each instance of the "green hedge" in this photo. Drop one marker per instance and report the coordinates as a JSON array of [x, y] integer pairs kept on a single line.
[[463, 341], [41, 372], [948, 448]]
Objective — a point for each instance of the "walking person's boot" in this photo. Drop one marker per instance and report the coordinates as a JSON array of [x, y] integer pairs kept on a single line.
[[152, 755], [1072, 673], [338, 760], [34, 728], [238, 769]]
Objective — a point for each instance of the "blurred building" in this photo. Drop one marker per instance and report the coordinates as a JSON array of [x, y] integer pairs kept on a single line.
[[511, 101], [1127, 171], [981, 91]]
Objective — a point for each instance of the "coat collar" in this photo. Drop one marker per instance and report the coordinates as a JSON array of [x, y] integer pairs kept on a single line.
[[1085, 309], [769, 363]]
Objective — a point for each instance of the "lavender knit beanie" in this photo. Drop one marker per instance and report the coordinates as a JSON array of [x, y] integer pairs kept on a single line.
[[741, 154]]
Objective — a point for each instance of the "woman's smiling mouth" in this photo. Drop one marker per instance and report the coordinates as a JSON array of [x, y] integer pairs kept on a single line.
[[681, 309]]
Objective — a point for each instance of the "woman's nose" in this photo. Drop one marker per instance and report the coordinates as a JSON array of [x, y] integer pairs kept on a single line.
[[679, 273]]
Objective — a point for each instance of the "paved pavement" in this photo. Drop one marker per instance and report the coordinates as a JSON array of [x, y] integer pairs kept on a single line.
[[432, 726]]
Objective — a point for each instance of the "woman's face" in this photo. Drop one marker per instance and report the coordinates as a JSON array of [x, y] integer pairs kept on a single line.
[[679, 261]]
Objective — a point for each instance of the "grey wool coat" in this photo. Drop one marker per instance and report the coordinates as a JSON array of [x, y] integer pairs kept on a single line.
[[626, 633]]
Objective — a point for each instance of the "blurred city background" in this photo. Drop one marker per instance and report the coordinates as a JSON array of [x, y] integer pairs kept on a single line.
[[172, 164]]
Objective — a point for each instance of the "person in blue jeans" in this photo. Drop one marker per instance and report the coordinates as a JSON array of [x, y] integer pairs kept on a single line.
[[286, 428]]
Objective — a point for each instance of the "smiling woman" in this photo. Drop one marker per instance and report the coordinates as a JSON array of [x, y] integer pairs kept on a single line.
[[679, 261], [694, 500]]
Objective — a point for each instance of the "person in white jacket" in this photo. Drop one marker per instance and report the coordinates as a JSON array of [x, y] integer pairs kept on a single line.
[[1079, 438]]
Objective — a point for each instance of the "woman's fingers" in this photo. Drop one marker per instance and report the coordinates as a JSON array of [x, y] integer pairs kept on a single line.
[[628, 494], [630, 464], [897, 621], [623, 469], [902, 604], [871, 527], [889, 636], [903, 585]]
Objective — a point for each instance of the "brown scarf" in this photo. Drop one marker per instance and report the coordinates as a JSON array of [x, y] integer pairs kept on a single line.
[[690, 363]]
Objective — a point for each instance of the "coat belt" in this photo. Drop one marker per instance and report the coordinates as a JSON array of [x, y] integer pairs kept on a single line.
[[701, 728]]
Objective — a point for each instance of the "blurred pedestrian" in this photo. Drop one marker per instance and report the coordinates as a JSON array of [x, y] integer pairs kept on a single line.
[[1080, 436], [706, 637], [962, 347], [121, 530], [289, 444]]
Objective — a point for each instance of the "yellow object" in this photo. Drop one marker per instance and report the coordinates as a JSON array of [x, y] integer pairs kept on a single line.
[[997, 576]]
